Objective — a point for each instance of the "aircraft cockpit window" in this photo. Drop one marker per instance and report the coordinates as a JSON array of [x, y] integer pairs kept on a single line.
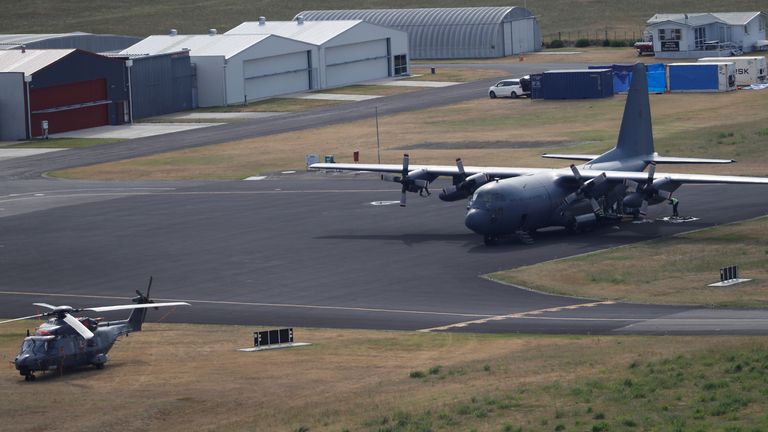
[[487, 200]]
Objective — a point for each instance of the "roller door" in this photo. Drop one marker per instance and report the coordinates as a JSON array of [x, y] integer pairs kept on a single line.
[[282, 74], [353, 63], [70, 107]]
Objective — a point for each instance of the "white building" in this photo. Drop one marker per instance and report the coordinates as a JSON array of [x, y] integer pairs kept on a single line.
[[349, 51], [235, 69], [716, 34]]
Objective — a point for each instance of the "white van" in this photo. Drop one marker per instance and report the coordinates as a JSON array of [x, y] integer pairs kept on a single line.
[[749, 70], [511, 88]]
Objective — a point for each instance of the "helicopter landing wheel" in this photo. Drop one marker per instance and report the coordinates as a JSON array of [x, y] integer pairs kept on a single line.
[[29, 377], [99, 366]]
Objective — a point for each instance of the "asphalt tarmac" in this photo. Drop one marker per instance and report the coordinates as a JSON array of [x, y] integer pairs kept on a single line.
[[312, 250]]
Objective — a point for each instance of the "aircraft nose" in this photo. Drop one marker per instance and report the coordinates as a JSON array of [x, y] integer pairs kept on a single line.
[[23, 361], [478, 221]]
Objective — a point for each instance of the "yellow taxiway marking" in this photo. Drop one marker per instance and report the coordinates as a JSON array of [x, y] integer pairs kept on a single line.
[[526, 314]]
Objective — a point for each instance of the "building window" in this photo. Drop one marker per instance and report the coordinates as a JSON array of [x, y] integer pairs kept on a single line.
[[761, 23], [670, 34], [401, 65], [700, 36]]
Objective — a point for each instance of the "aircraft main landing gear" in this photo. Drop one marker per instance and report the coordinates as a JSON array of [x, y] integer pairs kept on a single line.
[[29, 377]]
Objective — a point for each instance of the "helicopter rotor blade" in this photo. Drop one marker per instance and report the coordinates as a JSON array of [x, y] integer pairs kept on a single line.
[[78, 326], [45, 305], [135, 306], [23, 318]]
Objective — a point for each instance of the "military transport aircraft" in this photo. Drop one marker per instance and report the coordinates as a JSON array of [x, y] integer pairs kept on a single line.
[[508, 202]]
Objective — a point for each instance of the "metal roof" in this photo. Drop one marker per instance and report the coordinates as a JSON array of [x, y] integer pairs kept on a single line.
[[439, 32], [313, 32], [30, 61], [84, 41], [698, 18], [226, 45]]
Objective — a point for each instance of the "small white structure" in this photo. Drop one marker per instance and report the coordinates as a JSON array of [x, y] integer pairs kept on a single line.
[[349, 51], [749, 70], [717, 34], [236, 69]]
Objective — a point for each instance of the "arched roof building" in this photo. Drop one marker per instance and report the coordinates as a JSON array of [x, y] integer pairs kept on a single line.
[[443, 33]]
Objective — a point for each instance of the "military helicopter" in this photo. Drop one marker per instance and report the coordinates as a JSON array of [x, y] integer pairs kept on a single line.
[[65, 341]]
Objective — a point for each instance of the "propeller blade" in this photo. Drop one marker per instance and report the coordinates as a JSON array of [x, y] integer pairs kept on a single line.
[[402, 198], [595, 205], [135, 306], [78, 326], [45, 305], [149, 287], [406, 162], [460, 166], [576, 172], [644, 208], [22, 318], [651, 173], [631, 184]]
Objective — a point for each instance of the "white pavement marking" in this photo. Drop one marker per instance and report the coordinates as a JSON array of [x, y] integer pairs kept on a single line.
[[10, 153], [138, 130], [332, 96], [235, 303], [255, 178], [515, 315]]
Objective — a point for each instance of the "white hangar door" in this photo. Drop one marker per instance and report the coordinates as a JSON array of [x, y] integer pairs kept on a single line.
[[281, 74], [522, 36], [346, 64]]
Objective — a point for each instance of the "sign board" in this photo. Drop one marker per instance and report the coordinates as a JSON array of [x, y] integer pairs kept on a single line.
[[670, 45], [273, 337]]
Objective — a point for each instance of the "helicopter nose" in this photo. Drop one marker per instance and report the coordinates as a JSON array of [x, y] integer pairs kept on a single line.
[[23, 361]]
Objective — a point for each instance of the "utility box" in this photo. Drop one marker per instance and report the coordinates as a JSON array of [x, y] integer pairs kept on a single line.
[[577, 84], [749, 70], [701, 77]]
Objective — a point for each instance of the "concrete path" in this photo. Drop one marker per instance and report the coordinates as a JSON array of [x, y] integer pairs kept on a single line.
[[139, 130], [411, 83], [332, 96], [10, 153], [218, 115]]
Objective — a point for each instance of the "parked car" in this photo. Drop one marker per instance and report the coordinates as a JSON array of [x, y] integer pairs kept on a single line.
[[511, 88]]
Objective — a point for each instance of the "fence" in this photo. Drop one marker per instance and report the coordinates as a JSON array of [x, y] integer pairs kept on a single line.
[[602, 37]]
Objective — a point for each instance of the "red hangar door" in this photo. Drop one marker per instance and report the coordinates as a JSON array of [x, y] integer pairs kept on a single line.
[[69, 107]]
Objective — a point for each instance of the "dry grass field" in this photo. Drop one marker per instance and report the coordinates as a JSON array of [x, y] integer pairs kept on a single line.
[[674, 270], [190, 377]]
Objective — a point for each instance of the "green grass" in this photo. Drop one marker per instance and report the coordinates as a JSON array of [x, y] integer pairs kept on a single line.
[[144, 17], [712, 389], [64, 143]]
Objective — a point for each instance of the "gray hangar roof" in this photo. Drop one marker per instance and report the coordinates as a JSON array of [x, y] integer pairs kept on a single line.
[[434, 33], [80, 40]]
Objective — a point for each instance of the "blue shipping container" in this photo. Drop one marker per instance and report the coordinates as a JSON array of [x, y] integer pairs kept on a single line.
[[577, 84]]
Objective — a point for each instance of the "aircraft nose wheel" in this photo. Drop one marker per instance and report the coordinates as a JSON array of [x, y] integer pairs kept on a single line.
[[29, 377], [489, 240]]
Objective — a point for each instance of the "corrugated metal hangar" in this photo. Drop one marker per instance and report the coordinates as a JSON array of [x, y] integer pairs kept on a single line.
[[84, 41], [70, 89], [233, 69], [160, 84], [348, 51], [442, 33]]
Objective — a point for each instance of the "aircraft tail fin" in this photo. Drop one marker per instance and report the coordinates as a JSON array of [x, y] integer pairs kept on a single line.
[[636, 133]]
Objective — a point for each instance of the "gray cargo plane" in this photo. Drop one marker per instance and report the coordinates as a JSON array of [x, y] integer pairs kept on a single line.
[[508, 202]]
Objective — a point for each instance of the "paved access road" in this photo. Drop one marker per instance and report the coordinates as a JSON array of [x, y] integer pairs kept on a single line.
[[311, 250], [34, 166]]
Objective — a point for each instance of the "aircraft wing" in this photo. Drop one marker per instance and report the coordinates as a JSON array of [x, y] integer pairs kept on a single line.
[[436, 170], [642, 177]]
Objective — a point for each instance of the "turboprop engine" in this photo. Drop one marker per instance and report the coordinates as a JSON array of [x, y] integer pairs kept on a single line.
[[463, 186]]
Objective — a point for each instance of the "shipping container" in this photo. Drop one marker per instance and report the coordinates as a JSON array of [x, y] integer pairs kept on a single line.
[[577, 84], [749, 70], [701, 77]]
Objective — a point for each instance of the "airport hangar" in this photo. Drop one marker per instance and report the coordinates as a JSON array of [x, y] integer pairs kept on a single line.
[[259, 60], [445, 33]]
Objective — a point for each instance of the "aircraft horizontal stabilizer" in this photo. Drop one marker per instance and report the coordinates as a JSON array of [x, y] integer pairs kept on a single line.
[[686, 160], [569, 156]]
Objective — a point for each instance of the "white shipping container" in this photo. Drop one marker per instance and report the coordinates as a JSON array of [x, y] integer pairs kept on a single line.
[[749, 70], [701, 77]]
